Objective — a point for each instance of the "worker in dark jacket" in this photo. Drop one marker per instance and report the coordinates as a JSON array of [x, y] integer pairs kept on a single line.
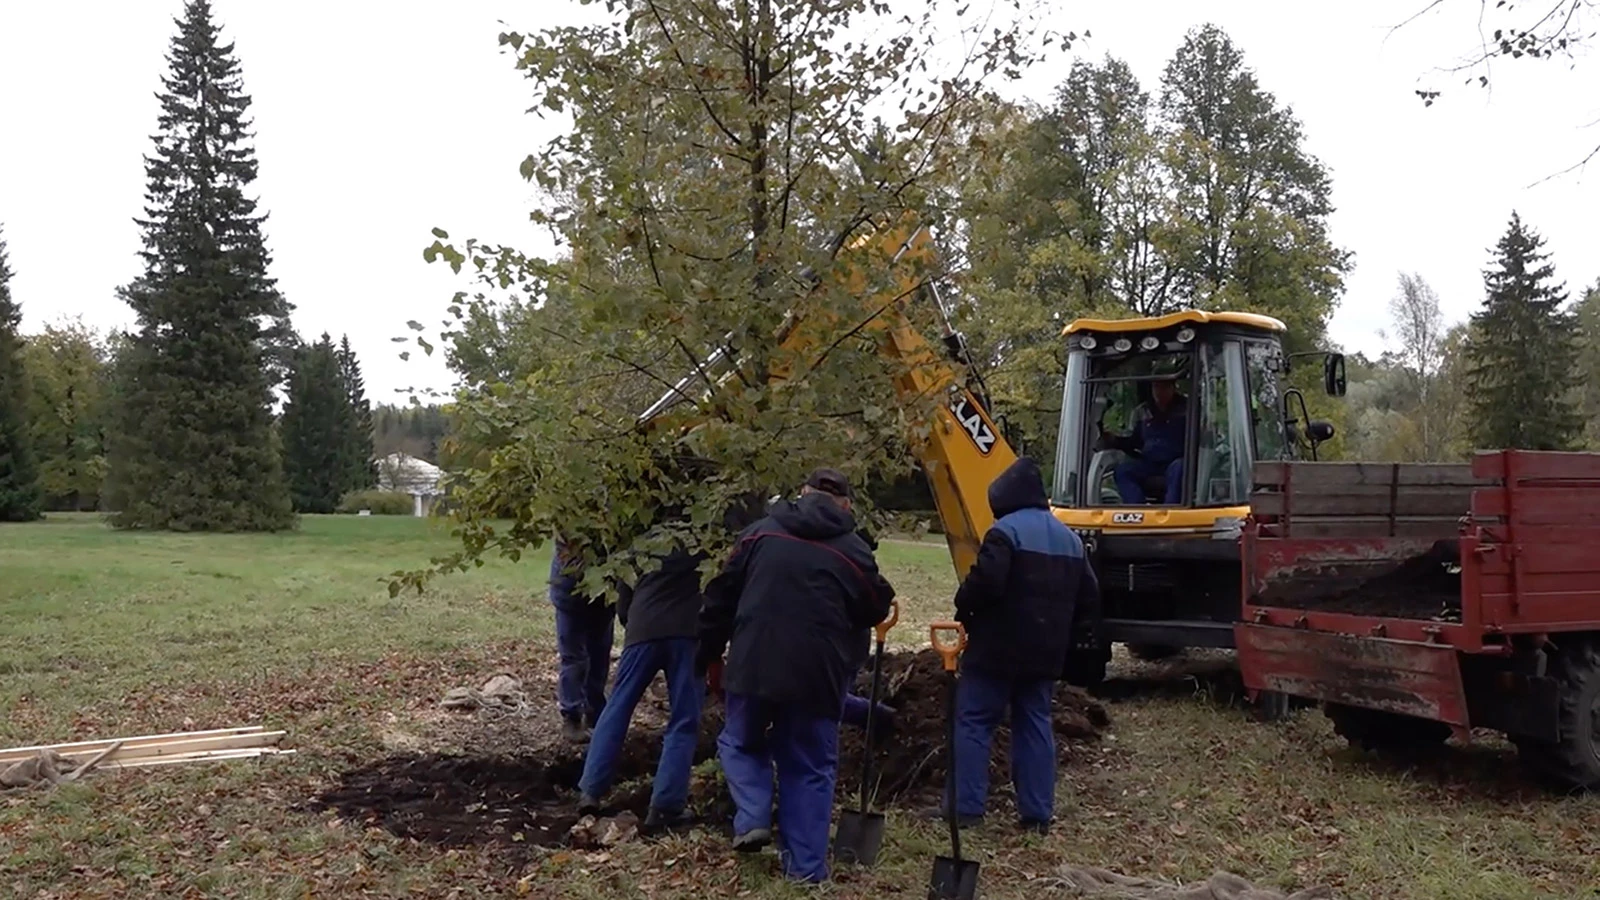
[[661, 618], [792, 604], [1030, 587], [584, 636]]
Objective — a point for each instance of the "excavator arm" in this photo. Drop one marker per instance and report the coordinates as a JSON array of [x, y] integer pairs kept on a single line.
[[963, 450]]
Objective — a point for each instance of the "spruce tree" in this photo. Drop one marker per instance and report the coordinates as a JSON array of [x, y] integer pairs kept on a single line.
[[1523, 356], [361, 472], [194, 447], [316, 427], [21, 499]]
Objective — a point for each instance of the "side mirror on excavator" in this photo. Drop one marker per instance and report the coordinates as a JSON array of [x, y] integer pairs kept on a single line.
[[1319, 431], [1333, 375]]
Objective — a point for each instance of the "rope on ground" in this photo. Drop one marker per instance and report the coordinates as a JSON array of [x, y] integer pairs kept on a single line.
[[1102, 884], [501, 695], [51, 768]]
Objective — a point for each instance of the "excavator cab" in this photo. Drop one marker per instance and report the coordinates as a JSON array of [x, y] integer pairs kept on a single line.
[[1162, 422]]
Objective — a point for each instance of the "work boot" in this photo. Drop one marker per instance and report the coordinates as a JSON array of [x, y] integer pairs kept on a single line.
[[572, 730], [1034, 826], [588, 805], [660, 821], [752, 840]]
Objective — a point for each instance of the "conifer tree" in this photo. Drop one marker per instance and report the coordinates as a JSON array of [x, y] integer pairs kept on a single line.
[[360, 470], [1523, 355], [194, 447], [20, 497], [316, 427]]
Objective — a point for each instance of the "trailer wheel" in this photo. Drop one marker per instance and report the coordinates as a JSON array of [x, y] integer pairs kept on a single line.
[[1153, 652], [1378, 731], [1575, 759]]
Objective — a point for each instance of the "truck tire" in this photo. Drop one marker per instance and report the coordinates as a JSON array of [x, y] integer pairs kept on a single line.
[[1574, 761], [1378, 731], [1153, 652]]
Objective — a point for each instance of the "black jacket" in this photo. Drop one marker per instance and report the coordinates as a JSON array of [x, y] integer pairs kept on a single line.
[[794, 605], [1031, 586], [665, 603]]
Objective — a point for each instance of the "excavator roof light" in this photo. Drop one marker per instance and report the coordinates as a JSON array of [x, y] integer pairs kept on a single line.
[[1187, 316]]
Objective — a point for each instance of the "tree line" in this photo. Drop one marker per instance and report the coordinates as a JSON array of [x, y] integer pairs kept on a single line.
[[171, 424]]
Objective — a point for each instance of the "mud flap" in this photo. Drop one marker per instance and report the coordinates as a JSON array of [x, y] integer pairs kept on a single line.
[[1405, 677]]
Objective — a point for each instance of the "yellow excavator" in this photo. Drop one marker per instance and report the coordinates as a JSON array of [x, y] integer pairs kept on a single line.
[[1162, 533]]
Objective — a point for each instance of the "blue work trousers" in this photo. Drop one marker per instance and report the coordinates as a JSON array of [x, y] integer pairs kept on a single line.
[[584, 634], [636, 668], [981, 701], [1130, 473], [805, 749]]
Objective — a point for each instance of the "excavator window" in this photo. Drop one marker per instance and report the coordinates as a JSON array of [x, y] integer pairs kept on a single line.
[[1196, 453], [1264, 361]]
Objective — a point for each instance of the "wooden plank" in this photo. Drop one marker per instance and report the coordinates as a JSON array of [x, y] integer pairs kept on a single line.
[[1538, 465], [15, 753], [1373, 501], [1574, 507], [1325, 475], [1373, 526], [180, 748], [208, 756]]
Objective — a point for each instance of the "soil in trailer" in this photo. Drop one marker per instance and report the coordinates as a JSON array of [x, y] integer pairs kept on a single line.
[[527, 800], [1425, 586]]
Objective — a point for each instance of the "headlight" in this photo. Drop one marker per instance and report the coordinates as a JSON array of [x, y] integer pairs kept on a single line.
[[1123, 345], [1185, 335], [1088, 342], [1149, 342]]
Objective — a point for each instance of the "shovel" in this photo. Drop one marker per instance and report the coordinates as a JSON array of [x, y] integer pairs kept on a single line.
[[954, 878], [860, 834]]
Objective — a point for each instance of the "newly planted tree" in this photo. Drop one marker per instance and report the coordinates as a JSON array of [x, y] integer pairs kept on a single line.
[[719, 154], [1523, 352], [193, 447], [20, 497]]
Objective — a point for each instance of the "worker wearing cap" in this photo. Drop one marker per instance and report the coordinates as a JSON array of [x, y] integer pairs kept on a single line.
[[1021, 601], [584, 636], [791, 605]]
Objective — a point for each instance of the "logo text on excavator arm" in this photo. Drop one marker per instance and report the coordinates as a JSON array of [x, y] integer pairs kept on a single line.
[[977, 429]]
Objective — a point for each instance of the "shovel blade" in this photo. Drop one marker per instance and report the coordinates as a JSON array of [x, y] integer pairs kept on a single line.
[[859, 838], [954, 879]]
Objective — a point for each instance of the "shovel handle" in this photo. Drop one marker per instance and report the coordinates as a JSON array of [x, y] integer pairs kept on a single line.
[[888, 621], [948, 649]]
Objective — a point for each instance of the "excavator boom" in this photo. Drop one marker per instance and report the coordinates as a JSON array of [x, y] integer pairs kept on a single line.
[[963, 451]]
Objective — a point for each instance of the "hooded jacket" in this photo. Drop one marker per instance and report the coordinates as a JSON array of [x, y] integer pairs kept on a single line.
[[1031, 587], [665, 603], [793, 605]]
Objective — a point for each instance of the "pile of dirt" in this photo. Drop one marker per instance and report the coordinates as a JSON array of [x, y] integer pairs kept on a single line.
[[530, 799], [1425, 586], [911, 764]]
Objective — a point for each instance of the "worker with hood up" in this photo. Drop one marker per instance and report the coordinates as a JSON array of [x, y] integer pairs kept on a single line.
[[792, 605], [1030, 588]]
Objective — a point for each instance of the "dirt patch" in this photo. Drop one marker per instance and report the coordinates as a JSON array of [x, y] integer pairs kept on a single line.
[[529, 798], [1425, 586]]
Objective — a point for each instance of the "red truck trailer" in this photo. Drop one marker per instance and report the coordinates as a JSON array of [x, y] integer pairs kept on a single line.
[[1419, 600]]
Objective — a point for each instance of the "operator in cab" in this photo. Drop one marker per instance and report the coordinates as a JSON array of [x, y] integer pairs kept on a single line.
[[1021, 603], [792, 605], [1159, 434]]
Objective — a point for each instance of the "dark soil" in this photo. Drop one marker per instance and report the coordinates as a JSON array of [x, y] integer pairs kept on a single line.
[[1420, 587], [530, 800]]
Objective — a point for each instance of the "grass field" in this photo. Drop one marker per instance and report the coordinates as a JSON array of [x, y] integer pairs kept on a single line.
[[110, 634]]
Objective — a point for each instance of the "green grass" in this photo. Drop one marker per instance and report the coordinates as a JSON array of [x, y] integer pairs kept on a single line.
[[111, 634]]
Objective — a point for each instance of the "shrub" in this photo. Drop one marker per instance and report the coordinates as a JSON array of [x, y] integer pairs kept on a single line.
[[382, 503]]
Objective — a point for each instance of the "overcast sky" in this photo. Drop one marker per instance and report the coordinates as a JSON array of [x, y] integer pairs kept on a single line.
[[378, 121]]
